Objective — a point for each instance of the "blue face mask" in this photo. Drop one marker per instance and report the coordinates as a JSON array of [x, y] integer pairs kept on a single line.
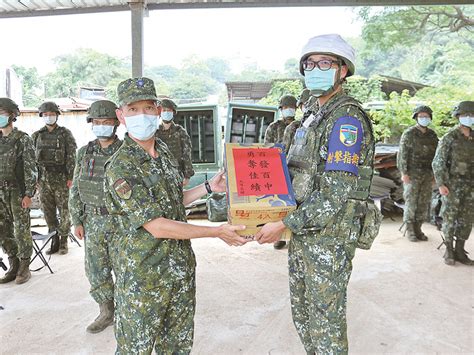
[[424, 121], [167, 116], [288, 112], [319, 81], [3, 121], [466, 121], [103, 131], [142, 127]]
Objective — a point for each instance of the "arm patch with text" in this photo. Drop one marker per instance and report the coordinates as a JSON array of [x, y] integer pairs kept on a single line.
[[344, 145]]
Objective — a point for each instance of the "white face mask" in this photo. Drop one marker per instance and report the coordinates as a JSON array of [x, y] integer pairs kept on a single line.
[[424, 121], [49, 120], [103, 132], [142, 126], [288, 112], [466, 121]]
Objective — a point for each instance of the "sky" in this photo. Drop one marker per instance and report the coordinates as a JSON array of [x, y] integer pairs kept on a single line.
[[268, 36]]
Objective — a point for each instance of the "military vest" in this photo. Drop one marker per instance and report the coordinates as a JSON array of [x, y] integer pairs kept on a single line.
[[91, 177], [423, 149], [51, 148], [172, 140], [307, 157], [8, 157], [462, 158]]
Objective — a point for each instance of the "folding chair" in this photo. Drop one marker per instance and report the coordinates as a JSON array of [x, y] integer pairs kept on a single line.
[[45, 239], [74, 239]]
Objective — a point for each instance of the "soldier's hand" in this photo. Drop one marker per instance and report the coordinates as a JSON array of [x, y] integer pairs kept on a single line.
[[270, 232], [217, 182], [79, 232], [443, 190], [26, 202], [228, 234], [69, 184], [405, 179]]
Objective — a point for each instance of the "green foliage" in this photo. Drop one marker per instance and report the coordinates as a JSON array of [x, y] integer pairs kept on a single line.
[[280, 88], [363, 89], [252, 72], [31, 85]]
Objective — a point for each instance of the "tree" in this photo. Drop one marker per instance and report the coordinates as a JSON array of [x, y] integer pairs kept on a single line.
[[393, 26], [291, 68], [84, 67], [363, 89], [280, 88], [219, 68], [31, 84]]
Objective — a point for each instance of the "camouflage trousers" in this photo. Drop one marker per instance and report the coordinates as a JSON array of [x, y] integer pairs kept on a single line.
[[99, 255], [457, 210], [54, 197], [15, 233], [320, 266], [157, 316], [417, 196]]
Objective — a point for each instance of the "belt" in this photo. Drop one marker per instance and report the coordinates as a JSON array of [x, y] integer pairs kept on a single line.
[[101, 211]]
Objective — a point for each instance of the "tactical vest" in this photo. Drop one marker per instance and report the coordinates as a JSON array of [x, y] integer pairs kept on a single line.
[[51, 148], [461, 164], [307, 158], [423, 148], [8, 149], [91, 178]]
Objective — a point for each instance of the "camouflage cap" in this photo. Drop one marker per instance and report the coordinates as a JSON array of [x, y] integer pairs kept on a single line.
[[102, 109], [9, 105], [136, 89], [168, 103], [463, 107], [287, 100]]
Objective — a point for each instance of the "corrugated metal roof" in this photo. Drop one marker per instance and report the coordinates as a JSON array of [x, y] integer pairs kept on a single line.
[[25, 8]]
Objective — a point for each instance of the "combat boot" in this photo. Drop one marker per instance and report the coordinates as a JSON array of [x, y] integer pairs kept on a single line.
[[54, 245], [279, 244], [418, 232], [460, 254], [63, 245], [10, 275], [411, 232], [104, 319], [449, 253], [24, 272]]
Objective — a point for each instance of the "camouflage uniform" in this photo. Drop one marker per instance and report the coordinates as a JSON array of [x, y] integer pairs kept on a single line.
[[289, 134], [331, 187], [87, 207], [179, 143], [275, 131], [155, 288], [453, 166], [414, 159], [18, 175], [55, 157]]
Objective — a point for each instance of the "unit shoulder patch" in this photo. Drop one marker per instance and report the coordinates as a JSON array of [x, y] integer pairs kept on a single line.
[[123, 189]]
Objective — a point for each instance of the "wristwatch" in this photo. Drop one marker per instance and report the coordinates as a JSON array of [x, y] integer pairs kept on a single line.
[[208, 187]]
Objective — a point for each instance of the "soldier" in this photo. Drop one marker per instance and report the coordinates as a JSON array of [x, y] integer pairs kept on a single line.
[[417, 149], [331, 166], [17, 186], [176, 138], [290, 130], [275, 131], [90, 217], [453, 167], [55, 156], [155, 287]]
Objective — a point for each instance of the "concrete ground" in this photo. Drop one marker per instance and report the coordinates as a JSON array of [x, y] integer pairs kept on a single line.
[[402, 299]]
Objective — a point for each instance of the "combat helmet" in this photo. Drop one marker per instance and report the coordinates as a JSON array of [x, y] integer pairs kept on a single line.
[[422, 108], [48, 106], [287, 100], [168, 103], [102, 109], [463, 107], [304, 96], [10, 106]]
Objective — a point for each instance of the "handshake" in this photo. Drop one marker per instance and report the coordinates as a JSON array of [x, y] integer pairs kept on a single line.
[[269, 233]]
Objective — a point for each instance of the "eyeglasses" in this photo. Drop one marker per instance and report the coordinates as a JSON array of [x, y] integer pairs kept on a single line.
[[324, 64]]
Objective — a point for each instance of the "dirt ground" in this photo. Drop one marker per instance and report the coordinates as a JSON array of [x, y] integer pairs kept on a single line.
[[402, 298]]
